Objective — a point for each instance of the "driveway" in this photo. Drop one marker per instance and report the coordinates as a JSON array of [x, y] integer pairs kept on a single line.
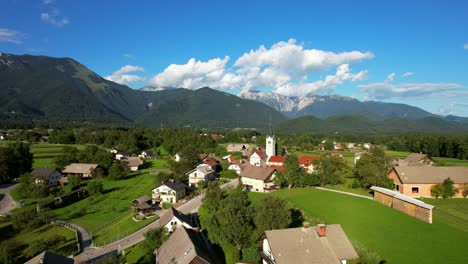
[[7, 204]]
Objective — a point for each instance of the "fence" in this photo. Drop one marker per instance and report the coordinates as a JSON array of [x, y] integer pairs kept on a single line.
[[78, 235]]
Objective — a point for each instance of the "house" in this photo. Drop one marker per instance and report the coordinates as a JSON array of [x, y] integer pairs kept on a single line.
[[177, 157], [321, 244], [81, 169], [202, 156], [133, 163], [121, 155], [143, 206], [415, 159], [212, 163], [184, 246], [114, 151], [258, 158], [202, 172], [237, 147], [174, 219], [48, 257], [367, 146], [307, 162], [170, 191], [403, 203], [52, 175], [145, 154], [357, 156], [258, 179], [276, 161], [416, 181]]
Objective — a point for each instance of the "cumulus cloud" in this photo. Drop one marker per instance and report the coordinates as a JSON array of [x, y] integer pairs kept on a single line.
[[121, 75], [386, 90], [285, 67], [407, 74], [11, 36], [452, 108]]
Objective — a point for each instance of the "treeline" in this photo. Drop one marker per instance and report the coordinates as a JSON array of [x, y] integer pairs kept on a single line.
[[15, 159]]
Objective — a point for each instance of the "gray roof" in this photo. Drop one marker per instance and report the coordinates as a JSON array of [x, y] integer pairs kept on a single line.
[[175, 185], [431, 174], [203, 168], [133, 161], [258, 173], [303, 245], [171, 213], [402, 197], [142, 199], [183, 247], [414, 159], [38, 172], [48, 257]]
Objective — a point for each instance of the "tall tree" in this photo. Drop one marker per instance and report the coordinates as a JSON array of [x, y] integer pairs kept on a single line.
[[272, 213], [295, 174], [331, 169]]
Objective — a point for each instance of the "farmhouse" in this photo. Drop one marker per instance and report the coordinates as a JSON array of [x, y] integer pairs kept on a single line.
[[174, 219], [184, 246], [307, 162], [81, 169], [321, 244], [276, 161], [258, 158], [415, 159], [170, 191], [237, 147], [258, 179], [51, 175], [133, 163], [403, 203], [202, 172], [416, 181]]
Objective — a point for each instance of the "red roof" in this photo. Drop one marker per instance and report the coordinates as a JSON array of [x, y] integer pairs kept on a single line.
[[277, 168], [210, 162], [260, 153], [307, 160], [277, 159]]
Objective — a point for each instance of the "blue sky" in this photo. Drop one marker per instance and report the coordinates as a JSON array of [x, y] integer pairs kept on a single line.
[[413, 52]]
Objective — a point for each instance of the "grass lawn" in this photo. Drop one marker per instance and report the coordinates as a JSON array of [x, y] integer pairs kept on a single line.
[[26, 238], [450, 162], [44, 153], [119, 229], [451, 211], [345, 187], [395, 236], [136, 253]]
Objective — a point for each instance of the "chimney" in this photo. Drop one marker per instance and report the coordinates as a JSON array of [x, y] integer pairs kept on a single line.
[[321, 228]]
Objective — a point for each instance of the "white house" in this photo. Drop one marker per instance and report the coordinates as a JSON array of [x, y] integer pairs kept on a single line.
[[258, 179], [257, 158], [307, 162], [235, 167], [52, 175], [367, 145], [321, 244], [174, 219], [145, 154], [202, 172], [177, 157], [170, 191]]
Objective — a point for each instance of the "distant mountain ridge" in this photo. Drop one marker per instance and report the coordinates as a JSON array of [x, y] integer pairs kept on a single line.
[[324, 106]]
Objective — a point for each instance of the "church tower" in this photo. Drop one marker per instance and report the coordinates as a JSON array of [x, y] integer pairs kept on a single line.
[[270, 146]]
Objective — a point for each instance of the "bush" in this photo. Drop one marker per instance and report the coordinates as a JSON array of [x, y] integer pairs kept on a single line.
[[95, 187], [229, 174], [36, 247]]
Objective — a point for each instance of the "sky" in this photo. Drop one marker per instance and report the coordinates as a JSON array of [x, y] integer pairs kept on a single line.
[[411, 52]]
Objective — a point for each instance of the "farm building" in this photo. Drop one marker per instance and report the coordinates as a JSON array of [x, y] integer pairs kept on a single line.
[[81, 169], [416, 181], [258, 179], [51, 175], [416, 159], [403, 203]]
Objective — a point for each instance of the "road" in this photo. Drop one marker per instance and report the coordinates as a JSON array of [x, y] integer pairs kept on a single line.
[[190, 206], [7, 204]]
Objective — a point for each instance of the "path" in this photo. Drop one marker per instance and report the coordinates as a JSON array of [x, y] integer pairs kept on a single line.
[[86, 239], [190, 206], [347, 193], [7, 204]]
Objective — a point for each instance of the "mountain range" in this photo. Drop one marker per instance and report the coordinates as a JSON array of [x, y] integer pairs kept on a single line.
[[63, 90]]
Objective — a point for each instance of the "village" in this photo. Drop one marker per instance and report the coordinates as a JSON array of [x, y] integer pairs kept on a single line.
[[173, 203]]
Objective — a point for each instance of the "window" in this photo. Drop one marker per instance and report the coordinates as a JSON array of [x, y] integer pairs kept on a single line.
[[397, 187], [415, 189]]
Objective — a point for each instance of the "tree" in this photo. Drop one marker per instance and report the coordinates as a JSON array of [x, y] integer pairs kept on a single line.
[[70, 155], [280, 180], [328, 145], [295, 174], [372, 169], [95, 186], [74, 181], [117, 171], [15, 160], [437, 190], [9, 251], [24, 220], [331, 169], [272, 213], [449, 190], [154, 238]]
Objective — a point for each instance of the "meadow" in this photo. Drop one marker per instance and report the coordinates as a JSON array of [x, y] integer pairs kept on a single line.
[[396, 237]]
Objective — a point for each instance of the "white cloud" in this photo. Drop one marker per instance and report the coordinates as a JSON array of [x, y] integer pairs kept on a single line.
[[285, 67], [465, 46], [10, 35], [53, 16], [452, 108], [121, 76], [407, 74], [386, 90], [390, 77]]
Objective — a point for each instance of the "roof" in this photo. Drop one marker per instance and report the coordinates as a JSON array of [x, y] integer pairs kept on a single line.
[[258, 173], [303, 245], [431, 174], [202, 156], [133, 161], [182, 247], [237, 147], [175, 185], [308, 160], [38, 172], [211, 162], [277, 168], [82, 168], [415, 157], [402, 197], [48, 257], [142, 199], [203, 168], [260, 153], [277, 159], [171, 213]]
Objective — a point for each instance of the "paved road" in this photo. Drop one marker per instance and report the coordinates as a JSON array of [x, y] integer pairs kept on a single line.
[[6, 202], [190, 206], [85, 236]]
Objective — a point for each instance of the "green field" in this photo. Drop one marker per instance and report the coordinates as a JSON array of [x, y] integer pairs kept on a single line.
[[135, 253], [451, 211], [396, 237], [44, 153]]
